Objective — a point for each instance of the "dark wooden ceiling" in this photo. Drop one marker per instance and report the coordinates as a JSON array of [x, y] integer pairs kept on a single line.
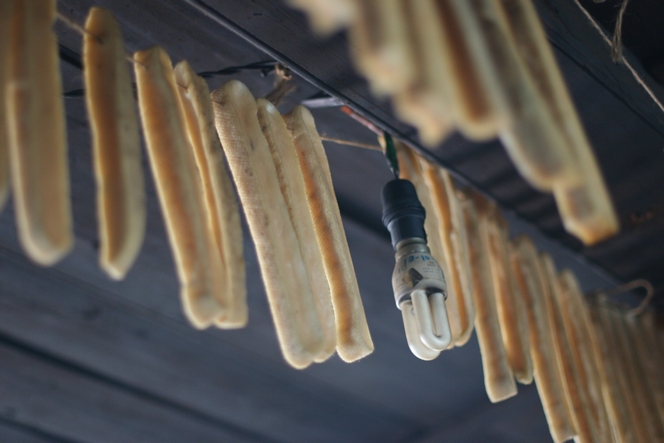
[[87, 360]]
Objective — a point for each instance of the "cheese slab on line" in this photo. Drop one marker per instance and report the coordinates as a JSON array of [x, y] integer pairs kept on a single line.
[[577, 394], [293, 189], [573, 311], [424, 103], [178, 187], [378, 44], [450, 225], [116, 146], [6, 7], [353, 338], [641, 358], [586, 206], [602, 344], [523, 259], [650, 429], [283, 271], [498, 377], [327, 16], [650, 352], [221, 205], [471, 110], [511, 310], [526, 126], [37, 134]]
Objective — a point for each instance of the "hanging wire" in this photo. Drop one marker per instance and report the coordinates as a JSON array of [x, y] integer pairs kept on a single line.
[[621, 289], [265, 67], [391, 154], [351, 143], [635, 284]]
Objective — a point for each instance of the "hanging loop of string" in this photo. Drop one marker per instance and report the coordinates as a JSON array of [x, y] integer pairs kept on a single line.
[[635, 284], [69, 22], [282, 84], [616, 41]]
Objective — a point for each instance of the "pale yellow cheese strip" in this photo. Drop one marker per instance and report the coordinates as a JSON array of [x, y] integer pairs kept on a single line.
[[293, 189], [353, 337], [650, 354], [511, 310], [577, 394], [410, 169], [586, 210], [441, 190], [116, 147], [221, 205], [535, 145], [37, 134], [586, 207], [469, 103], [284, 273], [639, 391], [178, 188], [642, 359], [498, 378], [548, 378], [379, 45], [610, 323], [6, 7], [573, 310], [327, 16], [610, 375], [424, 103]]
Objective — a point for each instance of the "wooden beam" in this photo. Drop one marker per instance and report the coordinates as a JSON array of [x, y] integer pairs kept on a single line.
[[570, 30], [47, 396], [169, 362]]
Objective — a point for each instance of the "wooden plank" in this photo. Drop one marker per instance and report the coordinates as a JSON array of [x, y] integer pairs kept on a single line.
[[118, 339], [78, 407], [11, 432], [390, 383], [517, 420], [569, 29]]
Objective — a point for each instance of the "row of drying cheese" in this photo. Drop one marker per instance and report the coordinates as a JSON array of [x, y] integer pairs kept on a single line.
[[486, 68], [281, 173], [624, 352], [530, 319]]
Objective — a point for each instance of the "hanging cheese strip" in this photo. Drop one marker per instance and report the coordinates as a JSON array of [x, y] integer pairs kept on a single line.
[[410, 169], [353, 337], [637, 392], [577, 333], [6, 7], [178, 188], [532, 141], [37, 138], [284, 274], [469, 103], [523, 260], [221, 206], [511, 311], [585, 206], [650, 353], [450, 226], [498, 377], [610, 374], [639, 360], [379, 45], [291, 183], [327, 16], [576, 392], [424, 102], [116, 145]]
